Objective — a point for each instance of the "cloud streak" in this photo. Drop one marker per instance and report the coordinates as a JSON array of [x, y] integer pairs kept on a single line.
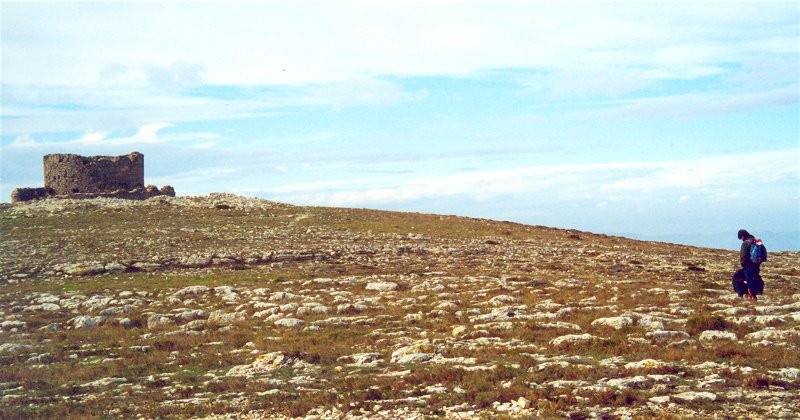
[[694, 105], [44, 109], [709, 177], [146, 134]]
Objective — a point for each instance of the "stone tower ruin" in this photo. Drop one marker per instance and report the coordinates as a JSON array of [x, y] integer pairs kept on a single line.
[[72, 174], [75, 176]]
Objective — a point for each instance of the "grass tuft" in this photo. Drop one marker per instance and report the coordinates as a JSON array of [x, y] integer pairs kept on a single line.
[[699, 323]]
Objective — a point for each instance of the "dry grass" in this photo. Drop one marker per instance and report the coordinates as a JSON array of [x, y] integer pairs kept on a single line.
[[168, 372]]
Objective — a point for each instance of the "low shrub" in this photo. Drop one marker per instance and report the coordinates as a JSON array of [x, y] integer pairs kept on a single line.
[[699, 323]]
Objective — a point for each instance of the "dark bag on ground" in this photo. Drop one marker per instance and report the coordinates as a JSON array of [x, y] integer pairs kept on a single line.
[[739, 282]]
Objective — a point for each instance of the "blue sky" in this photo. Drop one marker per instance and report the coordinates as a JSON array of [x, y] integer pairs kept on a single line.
[[648, 118]]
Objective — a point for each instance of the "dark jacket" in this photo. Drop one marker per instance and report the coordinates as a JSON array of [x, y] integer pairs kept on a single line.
[[744, 253]]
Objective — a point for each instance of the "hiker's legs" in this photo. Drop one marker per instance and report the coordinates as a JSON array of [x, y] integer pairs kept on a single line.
[[755, 285]]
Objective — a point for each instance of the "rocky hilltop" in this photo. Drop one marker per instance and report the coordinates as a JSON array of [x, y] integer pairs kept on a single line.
[[229, 307]]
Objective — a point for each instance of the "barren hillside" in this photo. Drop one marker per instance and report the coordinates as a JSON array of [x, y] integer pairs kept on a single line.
[[223, 306]]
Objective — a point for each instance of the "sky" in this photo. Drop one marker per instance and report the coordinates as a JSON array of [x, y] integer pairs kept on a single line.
[[649, 119]]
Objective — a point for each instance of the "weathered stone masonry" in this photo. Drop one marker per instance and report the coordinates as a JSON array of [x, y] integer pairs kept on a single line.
[[74, 176]]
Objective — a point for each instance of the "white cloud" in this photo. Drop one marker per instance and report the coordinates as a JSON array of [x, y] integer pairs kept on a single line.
[[24, 141], [692, 105], [99, 140], [291, 43], [29, 119], [92, 138], [567, 183], [148, 133], [41, 109]]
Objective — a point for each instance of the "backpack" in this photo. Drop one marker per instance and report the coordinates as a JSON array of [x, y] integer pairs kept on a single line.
[[758, 252]]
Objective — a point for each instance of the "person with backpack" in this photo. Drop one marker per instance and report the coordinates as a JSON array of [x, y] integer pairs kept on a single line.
[[747, 280]]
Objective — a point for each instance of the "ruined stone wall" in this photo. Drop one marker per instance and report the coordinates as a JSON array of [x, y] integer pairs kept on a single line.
[[28, 194], [75, 176], [68, 174]]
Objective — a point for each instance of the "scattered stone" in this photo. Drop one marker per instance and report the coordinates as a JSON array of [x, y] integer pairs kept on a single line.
[[82, 269], [14, 348], [43, 307], [267, 363], [366, 359], [662, 336], [39, 359], [115, 267], [97, 302], [636, 382], [787, 374], [617, 322], [646, 364], [502, 300], [650, 323], [349, 308], [85, 322], [383, 286], [196, 325], [159, 321], [571, 339], [222, 318], [277, 296], [195, 261], [459, 330], [691, 396], [312, 309], [115, 310], [289, 323], [772, 334], [190, 291], [664, 399], [413, 317], [417, 352], [146, 266], [503, 313], [289, 307], [710, 380], [47, 298], [53, 326], [343, 321], [104, 382]]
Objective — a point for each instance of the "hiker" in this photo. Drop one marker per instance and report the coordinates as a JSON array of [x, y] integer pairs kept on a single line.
[[747, 280]]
